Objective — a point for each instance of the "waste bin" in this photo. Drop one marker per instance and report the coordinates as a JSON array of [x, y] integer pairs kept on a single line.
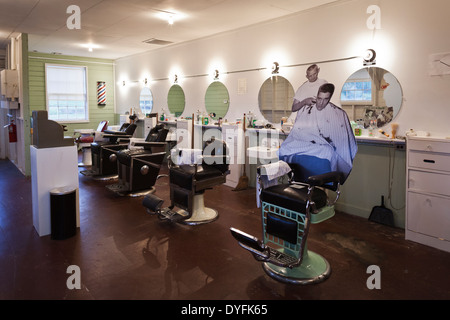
[[63, 212]]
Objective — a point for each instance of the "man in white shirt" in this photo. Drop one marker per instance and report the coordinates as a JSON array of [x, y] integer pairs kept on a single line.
[[307, 92], [321, 138]]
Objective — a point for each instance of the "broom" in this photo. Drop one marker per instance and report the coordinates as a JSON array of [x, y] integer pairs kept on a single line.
[[243, 180]]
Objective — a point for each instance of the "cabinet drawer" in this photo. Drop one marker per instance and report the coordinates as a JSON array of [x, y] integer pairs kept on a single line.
[[429, 182], [429, 215], [429, 160], [430, 146]]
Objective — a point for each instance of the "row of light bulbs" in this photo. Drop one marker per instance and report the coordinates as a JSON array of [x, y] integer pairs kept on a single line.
[[215, 73], [368, 60]]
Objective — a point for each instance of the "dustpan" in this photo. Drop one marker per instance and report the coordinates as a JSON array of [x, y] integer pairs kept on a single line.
[[382, 215]]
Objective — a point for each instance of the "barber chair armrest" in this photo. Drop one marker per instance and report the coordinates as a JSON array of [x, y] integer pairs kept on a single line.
[[324, 180], [121, 136], [149, 145], [148, 163]]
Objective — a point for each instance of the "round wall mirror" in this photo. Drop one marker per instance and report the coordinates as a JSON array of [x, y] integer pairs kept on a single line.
[[217, 100], [372, 95], [176, 100], [146, 101], [275, 98]]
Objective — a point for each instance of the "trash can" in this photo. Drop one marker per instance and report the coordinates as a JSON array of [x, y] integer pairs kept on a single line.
[[63, 212]]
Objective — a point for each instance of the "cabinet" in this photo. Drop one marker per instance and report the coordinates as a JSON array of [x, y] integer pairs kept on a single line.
[[428, 192], [9, 84]]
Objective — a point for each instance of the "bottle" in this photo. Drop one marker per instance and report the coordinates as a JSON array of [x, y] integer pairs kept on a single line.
[[371, 127]]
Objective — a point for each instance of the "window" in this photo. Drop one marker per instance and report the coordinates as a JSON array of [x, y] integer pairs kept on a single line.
[[66, 88], [357, 91]]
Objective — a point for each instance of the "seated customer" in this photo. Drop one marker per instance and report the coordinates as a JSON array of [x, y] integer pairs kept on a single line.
[[322, 136]]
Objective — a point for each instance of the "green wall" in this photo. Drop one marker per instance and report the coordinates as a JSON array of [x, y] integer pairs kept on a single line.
[[98, 70]]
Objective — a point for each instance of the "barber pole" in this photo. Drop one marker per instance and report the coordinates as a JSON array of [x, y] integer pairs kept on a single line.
[[101, 93]]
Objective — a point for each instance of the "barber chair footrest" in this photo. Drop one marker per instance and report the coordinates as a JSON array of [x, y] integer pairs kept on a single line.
[[93, 174], [313, 269], [172, 215]]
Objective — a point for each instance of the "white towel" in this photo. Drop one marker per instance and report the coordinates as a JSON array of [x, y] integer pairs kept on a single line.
[[269, 176], [186, 156]]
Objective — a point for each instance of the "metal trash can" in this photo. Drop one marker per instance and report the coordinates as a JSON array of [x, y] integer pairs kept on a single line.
[[63, 212]]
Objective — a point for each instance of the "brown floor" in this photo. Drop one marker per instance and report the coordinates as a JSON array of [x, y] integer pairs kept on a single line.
[[125, 253]]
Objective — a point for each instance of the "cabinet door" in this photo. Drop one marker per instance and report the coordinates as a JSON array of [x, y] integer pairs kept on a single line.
[[429, 215]]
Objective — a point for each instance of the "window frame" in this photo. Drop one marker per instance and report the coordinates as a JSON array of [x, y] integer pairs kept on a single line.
[[86, 100], [358, 102]]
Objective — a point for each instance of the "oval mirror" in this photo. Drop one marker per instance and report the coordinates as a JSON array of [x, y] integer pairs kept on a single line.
[[217, 100], [176, 100], [275, 98], [372, 94], [146, 101]]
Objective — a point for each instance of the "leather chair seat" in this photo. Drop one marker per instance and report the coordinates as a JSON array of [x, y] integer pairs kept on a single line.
[[293, 197], [184, 175]]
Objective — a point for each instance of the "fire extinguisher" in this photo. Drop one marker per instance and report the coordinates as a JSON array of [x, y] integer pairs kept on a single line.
[[12, 129]]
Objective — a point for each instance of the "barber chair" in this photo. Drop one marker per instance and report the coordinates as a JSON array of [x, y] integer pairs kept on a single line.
[[138, 166], [188, 183], [103, 166], [84, 140], [288, 209]]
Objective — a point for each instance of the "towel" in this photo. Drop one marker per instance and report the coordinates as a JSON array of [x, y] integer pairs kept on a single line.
[[269, 176], [186, 156]]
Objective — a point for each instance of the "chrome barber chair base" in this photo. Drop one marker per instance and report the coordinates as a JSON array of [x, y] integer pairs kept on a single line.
[[121, 191], [87, 156], [314, 269], [106, 178], [200, 214]]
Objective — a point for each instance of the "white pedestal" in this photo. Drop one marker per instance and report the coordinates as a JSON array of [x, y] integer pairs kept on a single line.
[[51, 168]]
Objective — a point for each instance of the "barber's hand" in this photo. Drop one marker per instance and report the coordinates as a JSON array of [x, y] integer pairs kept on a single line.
[[309, 101]]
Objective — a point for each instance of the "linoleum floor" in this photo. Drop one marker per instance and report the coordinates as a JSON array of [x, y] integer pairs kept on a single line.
[[125, 253]]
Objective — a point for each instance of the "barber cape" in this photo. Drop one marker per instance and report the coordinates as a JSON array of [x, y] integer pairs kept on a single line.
[[325, 134]]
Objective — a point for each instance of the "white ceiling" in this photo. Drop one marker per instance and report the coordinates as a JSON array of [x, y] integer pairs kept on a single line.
[[117, 28]]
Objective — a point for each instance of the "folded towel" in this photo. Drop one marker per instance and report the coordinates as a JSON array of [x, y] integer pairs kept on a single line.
[[269, 176]]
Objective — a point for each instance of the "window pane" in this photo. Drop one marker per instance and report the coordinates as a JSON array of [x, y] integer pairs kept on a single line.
[[66, 92]]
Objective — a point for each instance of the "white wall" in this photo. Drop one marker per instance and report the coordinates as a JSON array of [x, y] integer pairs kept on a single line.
[[410, 31]]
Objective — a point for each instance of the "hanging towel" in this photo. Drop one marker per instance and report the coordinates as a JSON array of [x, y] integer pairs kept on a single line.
[[269, 176]]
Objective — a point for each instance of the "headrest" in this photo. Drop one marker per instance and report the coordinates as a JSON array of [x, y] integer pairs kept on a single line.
[[102, 126]]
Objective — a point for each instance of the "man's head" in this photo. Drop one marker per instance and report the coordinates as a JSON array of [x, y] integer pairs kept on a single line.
[[324, 95], [312, 73]]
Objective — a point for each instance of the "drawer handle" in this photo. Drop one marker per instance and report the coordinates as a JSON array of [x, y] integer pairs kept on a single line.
[[429, 161]]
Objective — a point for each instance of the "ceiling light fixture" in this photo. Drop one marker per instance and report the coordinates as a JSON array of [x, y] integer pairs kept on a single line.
[[170, 20]]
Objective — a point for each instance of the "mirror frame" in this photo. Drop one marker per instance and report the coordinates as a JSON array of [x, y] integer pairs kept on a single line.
[[216, 101], [382, 89], [141, 100], [269, 90], [170, 101]]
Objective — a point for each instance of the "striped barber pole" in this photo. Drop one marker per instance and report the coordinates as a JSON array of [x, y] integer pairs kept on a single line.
[[101, 93]]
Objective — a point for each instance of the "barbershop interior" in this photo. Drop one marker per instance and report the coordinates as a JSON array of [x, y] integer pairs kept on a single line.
[[225, 150]]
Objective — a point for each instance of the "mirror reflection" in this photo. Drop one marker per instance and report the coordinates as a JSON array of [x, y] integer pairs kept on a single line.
[[275, 98], [146, 101], [372, 95], [217, 100], [176, 100]]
